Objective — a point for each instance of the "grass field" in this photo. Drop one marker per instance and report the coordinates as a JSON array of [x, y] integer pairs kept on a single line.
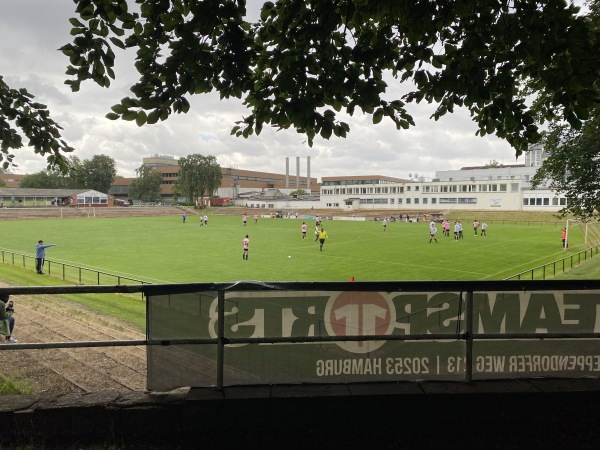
[[164, 250]]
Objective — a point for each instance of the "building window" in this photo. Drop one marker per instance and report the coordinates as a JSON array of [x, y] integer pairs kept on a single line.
[[416, 201], [424, 201], [408, 201]]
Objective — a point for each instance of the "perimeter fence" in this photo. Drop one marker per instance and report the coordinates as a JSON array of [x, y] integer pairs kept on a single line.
[[68, 272], [553, 268], [254, 333]]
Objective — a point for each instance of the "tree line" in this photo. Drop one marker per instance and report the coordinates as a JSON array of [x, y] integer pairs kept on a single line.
[[199, 176]]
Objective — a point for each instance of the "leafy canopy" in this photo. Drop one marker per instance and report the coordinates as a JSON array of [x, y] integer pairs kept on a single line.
[[146, 187], [573, 167], [33, 120], [513, 63], [199, 176], [305, 61], [97, 173]]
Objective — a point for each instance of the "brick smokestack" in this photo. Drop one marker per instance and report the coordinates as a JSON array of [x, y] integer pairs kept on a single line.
[[297, 173], [287, 172], [308, 187]]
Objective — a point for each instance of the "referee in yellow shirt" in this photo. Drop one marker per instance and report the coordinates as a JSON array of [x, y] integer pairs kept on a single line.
[[322, 237]]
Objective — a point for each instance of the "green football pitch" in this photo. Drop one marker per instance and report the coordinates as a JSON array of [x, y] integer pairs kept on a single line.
[[165, 250]]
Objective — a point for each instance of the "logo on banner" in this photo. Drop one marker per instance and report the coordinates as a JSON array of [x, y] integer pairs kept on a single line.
[[359, 314]]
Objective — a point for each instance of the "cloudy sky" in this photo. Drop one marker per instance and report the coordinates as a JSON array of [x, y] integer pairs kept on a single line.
[[31, 31]]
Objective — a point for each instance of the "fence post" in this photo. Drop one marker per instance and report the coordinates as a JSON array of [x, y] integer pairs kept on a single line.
[[220, 337], [469, 332]]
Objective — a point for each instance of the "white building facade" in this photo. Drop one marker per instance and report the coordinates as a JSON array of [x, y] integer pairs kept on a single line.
[[494, 187]]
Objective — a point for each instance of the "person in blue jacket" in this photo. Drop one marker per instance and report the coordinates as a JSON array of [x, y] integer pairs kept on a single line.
[[40, 255]]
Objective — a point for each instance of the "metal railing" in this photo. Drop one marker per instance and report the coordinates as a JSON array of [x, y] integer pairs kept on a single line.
[[559, 266], [465, 312], [68, 272]]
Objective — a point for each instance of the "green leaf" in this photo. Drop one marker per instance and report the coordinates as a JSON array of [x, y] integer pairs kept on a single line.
[[378, 115], [141, 118], [129, 115]]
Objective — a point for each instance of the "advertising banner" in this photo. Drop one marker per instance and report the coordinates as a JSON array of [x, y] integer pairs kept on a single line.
[[331, 315]]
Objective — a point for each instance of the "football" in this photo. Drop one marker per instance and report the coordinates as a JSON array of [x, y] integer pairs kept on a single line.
[[289, 257]]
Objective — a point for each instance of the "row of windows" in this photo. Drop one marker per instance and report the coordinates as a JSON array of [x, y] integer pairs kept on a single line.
[[531, 201], [488, 187], [350, 182], [91, 200], [261, 179], [544, 201], [236, 177], [415, 201]]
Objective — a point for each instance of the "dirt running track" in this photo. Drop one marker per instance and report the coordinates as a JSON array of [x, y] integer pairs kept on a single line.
[[59, 371]]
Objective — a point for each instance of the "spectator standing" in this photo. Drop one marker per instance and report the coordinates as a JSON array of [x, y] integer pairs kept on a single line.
[[6, 316], [40, 255]]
